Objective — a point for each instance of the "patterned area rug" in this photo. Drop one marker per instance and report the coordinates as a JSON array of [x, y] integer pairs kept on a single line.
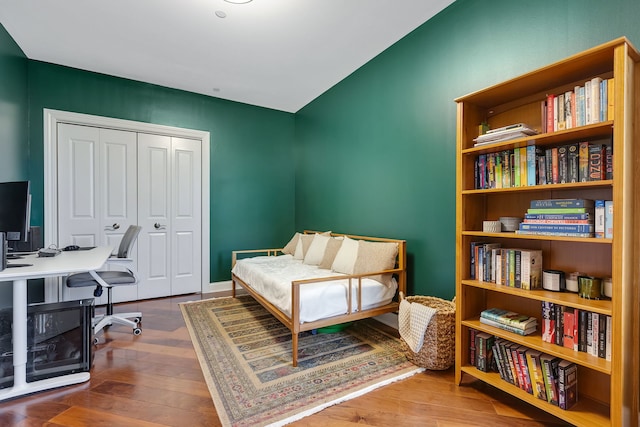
[[245, 355]]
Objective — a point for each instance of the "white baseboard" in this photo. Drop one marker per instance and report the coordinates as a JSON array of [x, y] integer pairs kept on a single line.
[[218, 287], [389, 319]]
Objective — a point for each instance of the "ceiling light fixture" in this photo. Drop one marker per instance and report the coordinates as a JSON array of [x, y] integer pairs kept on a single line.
[[220, 14], [238, 1]]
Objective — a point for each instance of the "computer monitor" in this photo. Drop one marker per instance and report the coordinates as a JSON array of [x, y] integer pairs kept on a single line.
[[15, 211]]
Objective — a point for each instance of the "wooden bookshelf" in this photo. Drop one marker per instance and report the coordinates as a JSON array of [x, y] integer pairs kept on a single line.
[[608, 391]]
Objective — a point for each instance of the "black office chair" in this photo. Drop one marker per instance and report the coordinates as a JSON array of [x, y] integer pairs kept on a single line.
[[110, 279]]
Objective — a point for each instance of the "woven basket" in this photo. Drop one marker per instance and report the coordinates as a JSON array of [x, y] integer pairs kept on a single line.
[[438, 351]]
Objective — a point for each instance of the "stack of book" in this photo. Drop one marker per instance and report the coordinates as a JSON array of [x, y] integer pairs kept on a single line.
[[559, 217], [509, 321], [505, 133]]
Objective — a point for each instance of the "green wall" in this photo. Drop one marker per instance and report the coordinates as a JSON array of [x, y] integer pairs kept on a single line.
[[375, 154], [252, 180], [13, 110]]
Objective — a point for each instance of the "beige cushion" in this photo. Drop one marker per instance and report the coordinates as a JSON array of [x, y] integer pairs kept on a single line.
[[346, 257], [315, 253], [303, 245], [376, 256], [330, 252], [290, 248]]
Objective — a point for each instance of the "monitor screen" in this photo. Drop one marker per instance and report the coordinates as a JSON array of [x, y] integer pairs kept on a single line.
[[15, 210]]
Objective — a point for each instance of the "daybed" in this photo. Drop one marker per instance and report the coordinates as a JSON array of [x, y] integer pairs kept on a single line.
[[323, 279]]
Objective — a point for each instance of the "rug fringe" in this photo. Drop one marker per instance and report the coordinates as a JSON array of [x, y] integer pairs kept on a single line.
[[353, 395]]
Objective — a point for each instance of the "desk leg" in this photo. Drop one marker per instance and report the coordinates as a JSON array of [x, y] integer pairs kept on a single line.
[[19, 335]]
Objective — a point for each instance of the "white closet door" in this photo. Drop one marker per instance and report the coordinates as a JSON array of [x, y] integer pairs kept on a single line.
[[154, 206], [97, 193], [186, 216]]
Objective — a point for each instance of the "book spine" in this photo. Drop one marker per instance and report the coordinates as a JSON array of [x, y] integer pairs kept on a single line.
[[559, 217], [549, 367], [596, 169], [599, 218], [508, 328], [561, 203], [522, 358], [602, 336], [548, 322], [558, 221], [573, 163], [583, 161], [608, 219], [608, 161], [559, 334], [568, 228], [531, 165], [540, 167], [559, 210], [582, 330], [553, 233], [563, 165]]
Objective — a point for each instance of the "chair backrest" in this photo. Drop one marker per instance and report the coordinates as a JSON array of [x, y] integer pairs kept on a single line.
[[128, 240]]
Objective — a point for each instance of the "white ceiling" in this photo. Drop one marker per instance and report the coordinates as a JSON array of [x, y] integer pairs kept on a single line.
[[279, 54]]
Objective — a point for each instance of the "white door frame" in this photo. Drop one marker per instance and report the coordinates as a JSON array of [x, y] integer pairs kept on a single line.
[[51, 120]]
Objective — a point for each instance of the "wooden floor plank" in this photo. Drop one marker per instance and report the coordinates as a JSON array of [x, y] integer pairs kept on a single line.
[[154, 379]]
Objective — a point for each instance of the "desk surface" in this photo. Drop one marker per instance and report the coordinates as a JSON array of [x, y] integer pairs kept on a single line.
[[60, 265]]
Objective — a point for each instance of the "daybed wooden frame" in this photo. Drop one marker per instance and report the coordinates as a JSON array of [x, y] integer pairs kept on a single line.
[[293, 322]]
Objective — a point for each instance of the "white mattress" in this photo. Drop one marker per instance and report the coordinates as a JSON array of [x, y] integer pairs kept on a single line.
[[271, 277]]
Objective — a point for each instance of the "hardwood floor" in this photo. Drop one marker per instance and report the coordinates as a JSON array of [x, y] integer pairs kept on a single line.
[[154, 379]]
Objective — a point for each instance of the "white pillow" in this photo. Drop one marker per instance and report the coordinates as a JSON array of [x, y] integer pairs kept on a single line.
[[315, 253], [302, 246], [346, 256], [290, 248]]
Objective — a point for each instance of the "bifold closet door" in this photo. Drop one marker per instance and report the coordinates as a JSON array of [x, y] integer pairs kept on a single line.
[[169, 199], [97, 193]]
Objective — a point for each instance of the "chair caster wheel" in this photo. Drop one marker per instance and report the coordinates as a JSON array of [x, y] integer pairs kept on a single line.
[[137, 319], [137, 331], [96, 341]]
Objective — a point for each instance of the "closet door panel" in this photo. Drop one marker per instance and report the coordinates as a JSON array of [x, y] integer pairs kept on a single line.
[[186, 218], [154, 194]]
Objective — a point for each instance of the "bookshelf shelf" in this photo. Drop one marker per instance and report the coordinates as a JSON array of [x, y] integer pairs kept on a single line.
[[608, 390], [585, 412], [564, 298], [605, 183]]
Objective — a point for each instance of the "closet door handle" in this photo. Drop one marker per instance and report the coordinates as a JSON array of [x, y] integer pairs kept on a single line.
[[112, 227], [159, 226]]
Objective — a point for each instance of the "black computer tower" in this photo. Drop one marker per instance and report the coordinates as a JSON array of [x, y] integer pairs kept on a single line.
[[59, 340]]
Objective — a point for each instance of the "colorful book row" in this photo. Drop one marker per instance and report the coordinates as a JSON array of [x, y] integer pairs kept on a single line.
[[584, 105], [528, 166], [576, 329], [547, 377], [513, 267]]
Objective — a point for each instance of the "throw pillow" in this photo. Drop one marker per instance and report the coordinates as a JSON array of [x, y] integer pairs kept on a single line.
[[330, 252], [303, 245], [346, 257], [290, 248], [315, 253], [376, 256]]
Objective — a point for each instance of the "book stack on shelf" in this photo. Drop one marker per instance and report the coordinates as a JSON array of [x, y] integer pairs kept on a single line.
[[559, 217], [528, 166], [549, 378], [584, 105], [576, 329], [513, 267], [509, 321], [505, 133]]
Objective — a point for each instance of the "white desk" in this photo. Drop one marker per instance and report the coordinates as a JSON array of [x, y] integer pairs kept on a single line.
[[61, 265]]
